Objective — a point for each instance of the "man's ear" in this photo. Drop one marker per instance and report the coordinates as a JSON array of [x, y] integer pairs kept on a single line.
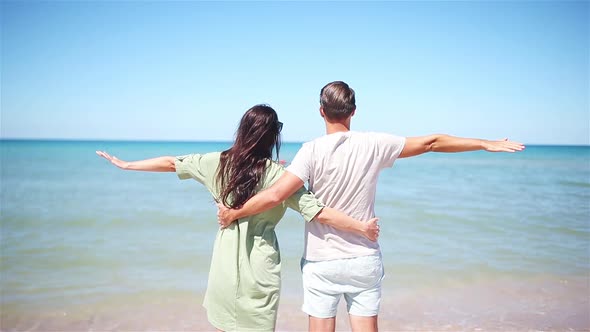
[[322, 112], [352, 114]]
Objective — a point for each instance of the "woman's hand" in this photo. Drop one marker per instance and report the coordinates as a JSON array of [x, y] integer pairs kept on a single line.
[[114, 160]]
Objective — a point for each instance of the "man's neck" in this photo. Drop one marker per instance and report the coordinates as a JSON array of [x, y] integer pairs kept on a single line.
[[336, 127]]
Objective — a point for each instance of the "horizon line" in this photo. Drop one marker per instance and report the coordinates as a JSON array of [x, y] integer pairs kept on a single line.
[[55, 139], [32, 139]]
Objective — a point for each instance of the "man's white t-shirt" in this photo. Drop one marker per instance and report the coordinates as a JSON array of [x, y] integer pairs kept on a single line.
[[342, 170]]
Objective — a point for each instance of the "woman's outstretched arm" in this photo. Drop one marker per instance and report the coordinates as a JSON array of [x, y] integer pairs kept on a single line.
[[159, 164]]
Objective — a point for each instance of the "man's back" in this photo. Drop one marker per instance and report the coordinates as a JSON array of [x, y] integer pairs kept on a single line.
[[342, 170]]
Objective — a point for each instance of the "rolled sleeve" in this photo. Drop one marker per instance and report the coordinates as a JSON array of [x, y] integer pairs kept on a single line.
[[305, 202], [389, 148], [190, 167]]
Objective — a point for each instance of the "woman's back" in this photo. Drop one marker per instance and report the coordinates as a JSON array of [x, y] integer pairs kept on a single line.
[[244, 280]]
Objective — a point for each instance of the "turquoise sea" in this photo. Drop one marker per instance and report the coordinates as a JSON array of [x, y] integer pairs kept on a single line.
[[471, 241]]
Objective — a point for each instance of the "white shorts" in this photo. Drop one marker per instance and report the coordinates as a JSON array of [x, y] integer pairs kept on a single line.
[[358, 279]]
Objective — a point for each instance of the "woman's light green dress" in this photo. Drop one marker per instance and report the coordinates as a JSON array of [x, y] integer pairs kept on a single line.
[[244, 278]]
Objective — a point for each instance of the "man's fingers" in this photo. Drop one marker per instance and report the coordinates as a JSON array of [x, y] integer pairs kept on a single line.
[[221, 224], [506, 145]]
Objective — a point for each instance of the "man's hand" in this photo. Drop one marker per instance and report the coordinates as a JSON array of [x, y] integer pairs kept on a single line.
[[224, 217], [371, 230], [503, 146]]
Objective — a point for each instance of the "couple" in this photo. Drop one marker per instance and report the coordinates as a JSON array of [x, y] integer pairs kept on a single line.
[[341, 254]]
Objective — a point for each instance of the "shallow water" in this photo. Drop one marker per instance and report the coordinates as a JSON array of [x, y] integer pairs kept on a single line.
[[470, 241]]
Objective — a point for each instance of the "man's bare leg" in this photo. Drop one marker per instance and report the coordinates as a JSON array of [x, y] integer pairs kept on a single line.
[[322, 324], [363, 324]]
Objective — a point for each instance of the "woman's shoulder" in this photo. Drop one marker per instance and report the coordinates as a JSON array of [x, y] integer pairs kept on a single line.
[[209, 156], [212, 155], [275, 166], [273, 172], [201, 160]]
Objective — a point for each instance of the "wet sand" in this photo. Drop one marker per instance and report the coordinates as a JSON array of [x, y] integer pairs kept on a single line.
[[538, 304]]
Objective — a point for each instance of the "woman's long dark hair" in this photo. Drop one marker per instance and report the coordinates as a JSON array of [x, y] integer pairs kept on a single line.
[[242, 166]]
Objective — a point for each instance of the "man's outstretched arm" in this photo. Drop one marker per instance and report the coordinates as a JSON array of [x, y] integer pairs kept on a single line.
[[444, 143]]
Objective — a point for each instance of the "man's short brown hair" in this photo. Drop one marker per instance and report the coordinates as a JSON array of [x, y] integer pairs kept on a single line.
[[337, 100]]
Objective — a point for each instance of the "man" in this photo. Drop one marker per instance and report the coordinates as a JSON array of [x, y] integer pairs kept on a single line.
[[342, 168]]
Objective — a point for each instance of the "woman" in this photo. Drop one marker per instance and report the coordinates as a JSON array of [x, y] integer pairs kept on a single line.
[[244, 279]]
